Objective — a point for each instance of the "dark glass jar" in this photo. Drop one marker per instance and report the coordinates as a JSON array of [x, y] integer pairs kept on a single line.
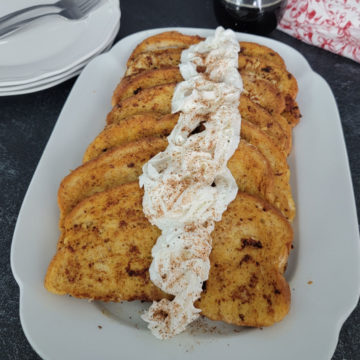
[[251, 16]]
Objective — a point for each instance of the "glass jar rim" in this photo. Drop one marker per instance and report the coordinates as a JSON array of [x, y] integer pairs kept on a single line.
[[253, 3]]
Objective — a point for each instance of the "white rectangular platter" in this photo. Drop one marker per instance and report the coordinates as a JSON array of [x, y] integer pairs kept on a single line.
[[326, 245]]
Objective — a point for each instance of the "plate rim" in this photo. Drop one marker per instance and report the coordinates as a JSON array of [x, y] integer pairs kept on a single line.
[[108, 34], [57, 79]]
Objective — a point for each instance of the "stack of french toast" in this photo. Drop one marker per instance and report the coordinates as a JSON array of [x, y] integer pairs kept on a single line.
[[104, 251]]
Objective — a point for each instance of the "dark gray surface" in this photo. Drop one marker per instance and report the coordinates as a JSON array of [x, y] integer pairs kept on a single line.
[[26, 123]]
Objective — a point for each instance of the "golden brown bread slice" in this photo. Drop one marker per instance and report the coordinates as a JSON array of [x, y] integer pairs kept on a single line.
[[106, 250], [154, 60], [261, 52], [249, 294], [131, 85], [158, 98], [107, 254], [258, 138], [164, 40], [130, 129], [279, 77], [277, 160], [252, 172], [259, 90], [252, 112], [118, 166], [239, 277], [263, 93], [285, 81], [154, 99], [123, 164]]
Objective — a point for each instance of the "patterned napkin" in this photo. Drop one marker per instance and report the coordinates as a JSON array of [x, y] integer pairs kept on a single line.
[[333, 25]]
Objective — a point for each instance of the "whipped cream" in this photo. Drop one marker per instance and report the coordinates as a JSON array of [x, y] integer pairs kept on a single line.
[[188, 186]]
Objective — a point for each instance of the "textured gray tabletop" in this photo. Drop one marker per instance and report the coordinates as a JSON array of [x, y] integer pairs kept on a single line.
[[26, 123]]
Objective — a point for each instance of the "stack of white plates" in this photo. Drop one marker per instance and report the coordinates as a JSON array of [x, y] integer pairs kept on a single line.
[[53, 49]]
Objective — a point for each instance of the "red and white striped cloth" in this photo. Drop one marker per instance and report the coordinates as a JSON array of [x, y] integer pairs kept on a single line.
[[333, 25]]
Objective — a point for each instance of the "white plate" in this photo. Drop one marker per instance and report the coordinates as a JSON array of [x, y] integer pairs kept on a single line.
[[55, 79], [36, 88], [326, 237], [53, 44]]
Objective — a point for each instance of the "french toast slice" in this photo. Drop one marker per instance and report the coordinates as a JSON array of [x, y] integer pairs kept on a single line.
[[123, 164], [154, 60], [131, 85], [106, 249], [277, 160], [158, 98], [263, 93], [154, 99], [107, 254], [130, 129], [118, 166], [261, 52], [257, 89], [239, 277], [269, 124], [280, 77], [165, 40]]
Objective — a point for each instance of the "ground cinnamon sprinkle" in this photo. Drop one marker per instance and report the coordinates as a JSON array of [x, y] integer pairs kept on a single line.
[[182, 196]]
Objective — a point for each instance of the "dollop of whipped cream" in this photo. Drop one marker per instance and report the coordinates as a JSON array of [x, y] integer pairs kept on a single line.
[[188, 186]]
